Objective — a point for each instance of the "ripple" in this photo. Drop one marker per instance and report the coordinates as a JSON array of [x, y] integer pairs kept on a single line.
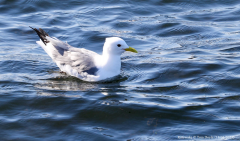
[[184, 81]]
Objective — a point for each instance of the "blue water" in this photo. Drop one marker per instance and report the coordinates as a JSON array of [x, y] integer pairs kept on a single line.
[[182, 85]]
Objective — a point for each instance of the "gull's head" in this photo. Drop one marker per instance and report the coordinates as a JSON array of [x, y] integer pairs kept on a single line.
[[116, 46]]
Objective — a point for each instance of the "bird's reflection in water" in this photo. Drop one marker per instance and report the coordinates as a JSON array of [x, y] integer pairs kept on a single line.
[[67, 84], [59, 85]]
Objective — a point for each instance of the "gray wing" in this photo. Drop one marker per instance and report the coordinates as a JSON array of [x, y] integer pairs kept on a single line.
[[63, 54], [79, 59]]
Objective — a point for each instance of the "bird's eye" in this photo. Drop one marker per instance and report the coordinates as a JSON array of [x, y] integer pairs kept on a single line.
[[119, 45]]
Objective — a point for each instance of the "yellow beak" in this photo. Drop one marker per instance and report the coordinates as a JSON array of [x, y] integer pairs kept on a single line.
[[131, 49]]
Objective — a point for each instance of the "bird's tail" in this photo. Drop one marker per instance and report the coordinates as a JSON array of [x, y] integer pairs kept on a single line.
[[44, 42], [42, 35], [47, 39]]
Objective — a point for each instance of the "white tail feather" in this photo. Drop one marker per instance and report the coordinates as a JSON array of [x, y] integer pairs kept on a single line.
[[49, 48]]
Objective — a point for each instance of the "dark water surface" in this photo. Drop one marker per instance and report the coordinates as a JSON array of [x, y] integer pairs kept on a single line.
[[183, 84]]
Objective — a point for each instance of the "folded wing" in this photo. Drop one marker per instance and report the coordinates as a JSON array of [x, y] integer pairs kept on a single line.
[[77, 62]]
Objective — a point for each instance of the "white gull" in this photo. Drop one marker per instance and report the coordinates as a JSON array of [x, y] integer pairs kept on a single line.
[[82, 63]]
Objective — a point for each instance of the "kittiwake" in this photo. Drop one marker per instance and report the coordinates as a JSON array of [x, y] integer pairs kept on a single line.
[[82, 63]]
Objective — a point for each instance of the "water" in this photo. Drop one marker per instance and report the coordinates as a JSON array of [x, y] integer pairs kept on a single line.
[[183, 84]]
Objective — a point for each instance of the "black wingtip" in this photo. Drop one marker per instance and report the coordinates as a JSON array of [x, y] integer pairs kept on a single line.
[[42, 35]]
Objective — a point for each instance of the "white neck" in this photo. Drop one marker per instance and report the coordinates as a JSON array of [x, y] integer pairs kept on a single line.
[[111, 62], [110, 65]]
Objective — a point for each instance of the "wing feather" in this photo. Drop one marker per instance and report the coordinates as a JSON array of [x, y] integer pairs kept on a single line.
[[68, 58]]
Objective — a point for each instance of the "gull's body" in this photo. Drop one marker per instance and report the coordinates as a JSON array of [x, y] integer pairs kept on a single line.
[[82, 63]]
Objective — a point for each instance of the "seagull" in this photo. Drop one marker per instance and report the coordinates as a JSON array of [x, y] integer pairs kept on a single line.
[[82, 63]]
